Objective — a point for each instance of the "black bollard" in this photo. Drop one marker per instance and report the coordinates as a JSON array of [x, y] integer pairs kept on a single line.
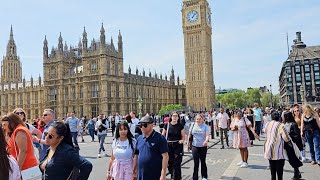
[[212, 130]]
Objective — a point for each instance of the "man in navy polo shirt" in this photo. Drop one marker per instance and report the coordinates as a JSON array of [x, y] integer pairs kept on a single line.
[[151, 154]]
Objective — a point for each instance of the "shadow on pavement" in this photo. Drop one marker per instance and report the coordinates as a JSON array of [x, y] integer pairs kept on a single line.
[[257, 167], [230, 178]]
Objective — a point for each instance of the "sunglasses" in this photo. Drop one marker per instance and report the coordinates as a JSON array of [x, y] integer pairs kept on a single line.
[[19, 113], [45, 115], [145, 125], [50, 136]]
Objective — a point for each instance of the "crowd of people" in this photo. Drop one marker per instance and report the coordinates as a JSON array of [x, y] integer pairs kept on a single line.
[[49, 149]]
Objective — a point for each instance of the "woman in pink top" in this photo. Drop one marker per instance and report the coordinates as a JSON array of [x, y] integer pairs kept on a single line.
[[120, 164], [241, 137]]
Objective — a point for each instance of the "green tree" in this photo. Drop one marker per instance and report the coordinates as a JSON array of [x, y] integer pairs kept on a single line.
[[169, 108]]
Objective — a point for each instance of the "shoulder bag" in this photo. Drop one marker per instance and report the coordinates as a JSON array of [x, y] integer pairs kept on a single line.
[[190, 137], [32, 173]]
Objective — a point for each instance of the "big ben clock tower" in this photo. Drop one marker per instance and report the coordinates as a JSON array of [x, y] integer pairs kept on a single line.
[[197, 31]]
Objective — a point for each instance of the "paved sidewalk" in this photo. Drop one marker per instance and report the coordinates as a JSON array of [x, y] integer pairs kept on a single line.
[[258, 167]]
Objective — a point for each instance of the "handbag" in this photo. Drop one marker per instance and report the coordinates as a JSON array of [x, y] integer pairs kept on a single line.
[[190, 137], [32, 173]]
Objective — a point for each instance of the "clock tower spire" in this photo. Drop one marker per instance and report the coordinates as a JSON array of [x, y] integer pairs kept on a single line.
[[197, 31]]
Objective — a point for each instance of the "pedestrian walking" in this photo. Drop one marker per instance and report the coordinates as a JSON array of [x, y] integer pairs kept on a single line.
[[274, 146], [74, 124], [174, 133], [297, 117], [294, 133], [258, 117], [241, 127], [251, 118], [61, 157], [101, 129], [310, 125], [121, 161], [91, 127], [199, 136], [151, 154], [222, 122]]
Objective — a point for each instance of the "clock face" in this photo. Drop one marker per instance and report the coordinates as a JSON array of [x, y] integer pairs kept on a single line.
[[192, 16]]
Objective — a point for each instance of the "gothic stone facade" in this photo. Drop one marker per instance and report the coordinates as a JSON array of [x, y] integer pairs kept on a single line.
[[197, 30], [87, 79]]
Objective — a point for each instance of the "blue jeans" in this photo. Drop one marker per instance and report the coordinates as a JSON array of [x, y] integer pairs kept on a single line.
[[101, 138], [313, 139], [75, 137], [91, 132]]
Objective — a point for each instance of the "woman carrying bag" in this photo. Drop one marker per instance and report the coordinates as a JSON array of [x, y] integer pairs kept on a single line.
[[174, 133]]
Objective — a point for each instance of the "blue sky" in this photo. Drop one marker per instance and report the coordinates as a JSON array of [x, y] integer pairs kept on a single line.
[[249, 37]]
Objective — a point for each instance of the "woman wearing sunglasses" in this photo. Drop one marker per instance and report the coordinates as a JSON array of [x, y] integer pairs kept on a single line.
[[297, 117], [61, 157], [120, 164], [174, 133], [20, 142], [22, 115]]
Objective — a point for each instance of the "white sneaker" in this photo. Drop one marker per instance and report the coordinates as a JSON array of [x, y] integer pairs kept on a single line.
[[103, 153], [99, 155], [244, 165], [240, 163]]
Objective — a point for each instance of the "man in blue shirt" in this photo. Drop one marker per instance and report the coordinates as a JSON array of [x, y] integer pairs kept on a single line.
[[48, 119], [151, 154], [74, 127], [258, 115]]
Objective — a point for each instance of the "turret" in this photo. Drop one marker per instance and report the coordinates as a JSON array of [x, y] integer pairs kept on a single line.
[[137, 71], [45, 48], [31, 82], [120, 44], [161, 76], [24, 82], [39, 79], [60, 44], [102, 37], [129, 69], [79, 47], [112, 45], [143, 72], [172, 77], [66, 46], [166, 77], [84, 39], [178, 80], [11, 47], [150, 73]]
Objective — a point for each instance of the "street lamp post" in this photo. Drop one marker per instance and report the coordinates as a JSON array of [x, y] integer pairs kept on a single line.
[[271, 95], [140, 101], [302, 95]]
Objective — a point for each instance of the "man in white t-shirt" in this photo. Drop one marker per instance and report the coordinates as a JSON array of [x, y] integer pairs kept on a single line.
[[135, 121], [222, 121]]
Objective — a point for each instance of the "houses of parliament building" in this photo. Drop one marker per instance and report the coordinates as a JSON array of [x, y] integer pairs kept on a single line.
[[88, 79]]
